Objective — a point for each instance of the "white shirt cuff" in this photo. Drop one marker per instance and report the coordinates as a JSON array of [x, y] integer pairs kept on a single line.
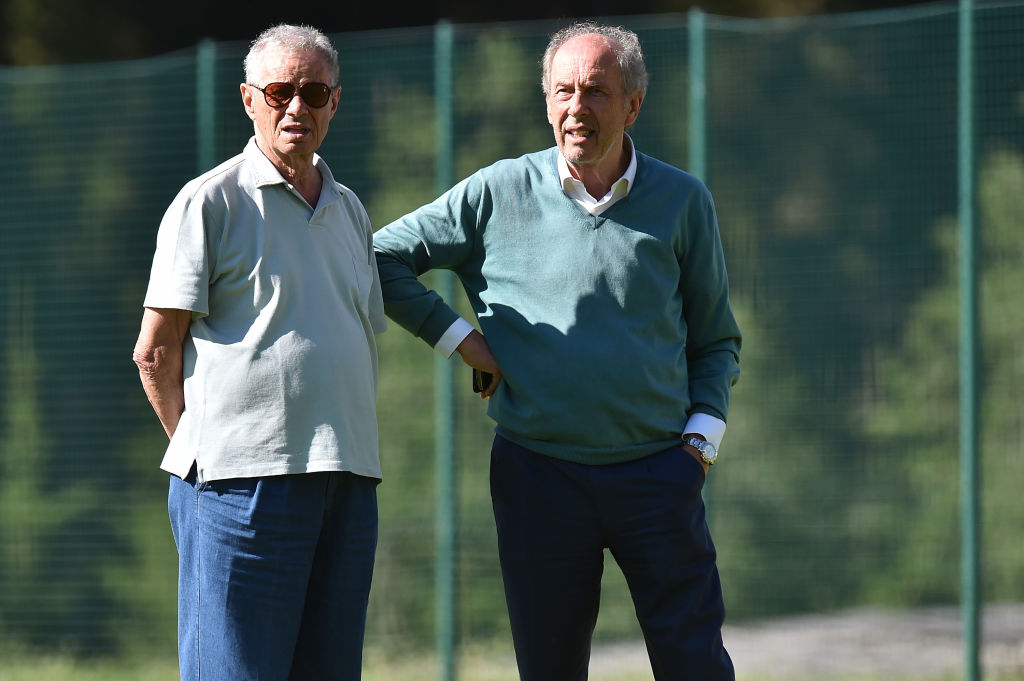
[[455, 334], [712, 428]]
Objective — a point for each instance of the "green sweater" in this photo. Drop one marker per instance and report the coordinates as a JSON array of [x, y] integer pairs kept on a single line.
[[610, 330]]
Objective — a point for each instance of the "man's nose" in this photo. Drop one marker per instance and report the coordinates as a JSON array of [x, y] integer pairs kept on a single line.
[[297, 104], [577, 104]]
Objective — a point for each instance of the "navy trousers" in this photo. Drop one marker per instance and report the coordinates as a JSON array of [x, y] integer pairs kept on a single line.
[[554, 520]]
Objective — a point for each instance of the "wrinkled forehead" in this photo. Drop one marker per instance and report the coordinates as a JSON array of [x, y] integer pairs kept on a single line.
[[288, 65], [585, 58]]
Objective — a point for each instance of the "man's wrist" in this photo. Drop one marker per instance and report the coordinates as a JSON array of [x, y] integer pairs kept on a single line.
[[456, 333], [709, 427], [706, 450]]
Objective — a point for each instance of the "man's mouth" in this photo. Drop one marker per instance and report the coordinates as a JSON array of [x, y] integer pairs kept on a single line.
[[578, 134]]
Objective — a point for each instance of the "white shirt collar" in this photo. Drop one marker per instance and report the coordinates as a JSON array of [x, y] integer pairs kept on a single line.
[[620, 188]]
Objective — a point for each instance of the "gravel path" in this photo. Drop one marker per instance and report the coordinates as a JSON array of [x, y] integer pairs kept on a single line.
[[919, 644]]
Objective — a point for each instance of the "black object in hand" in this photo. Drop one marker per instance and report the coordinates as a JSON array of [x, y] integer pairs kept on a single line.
[[481, 380]]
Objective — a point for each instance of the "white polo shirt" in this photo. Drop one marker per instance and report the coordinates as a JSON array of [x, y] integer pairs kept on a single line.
[[280, 363]]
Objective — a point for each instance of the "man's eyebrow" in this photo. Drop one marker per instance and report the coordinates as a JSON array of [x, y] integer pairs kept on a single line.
[[582, 83]]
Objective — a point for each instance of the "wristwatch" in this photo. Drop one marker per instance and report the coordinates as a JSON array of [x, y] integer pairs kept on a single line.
[[708, 451]]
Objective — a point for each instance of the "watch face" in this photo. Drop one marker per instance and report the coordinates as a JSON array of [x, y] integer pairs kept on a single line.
[[708, 452]]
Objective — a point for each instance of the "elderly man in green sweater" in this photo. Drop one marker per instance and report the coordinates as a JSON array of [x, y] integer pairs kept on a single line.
[[598, 280]]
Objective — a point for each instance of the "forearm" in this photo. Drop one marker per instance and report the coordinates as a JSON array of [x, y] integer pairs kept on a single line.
[[713, 339], [712, 375], [164, 384], [159, 356], [417, 309], [440, 235]]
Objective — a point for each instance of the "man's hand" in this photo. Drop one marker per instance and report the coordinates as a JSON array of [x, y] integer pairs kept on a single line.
[[475, 352]]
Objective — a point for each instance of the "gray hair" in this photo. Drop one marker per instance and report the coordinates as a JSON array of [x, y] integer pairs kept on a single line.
[[291, 38], [625, 44]]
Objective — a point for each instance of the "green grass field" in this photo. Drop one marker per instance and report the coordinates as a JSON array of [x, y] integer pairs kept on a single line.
[[474, 666]]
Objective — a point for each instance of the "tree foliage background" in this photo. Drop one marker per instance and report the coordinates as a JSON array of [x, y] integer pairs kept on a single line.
[[831, 154], [71, 31]]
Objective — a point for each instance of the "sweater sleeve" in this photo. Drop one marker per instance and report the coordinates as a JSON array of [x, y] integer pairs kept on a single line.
[[440, 235], [713, 337]]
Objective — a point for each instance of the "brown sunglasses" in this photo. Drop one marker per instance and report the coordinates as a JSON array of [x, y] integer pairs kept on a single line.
[[278, 95]]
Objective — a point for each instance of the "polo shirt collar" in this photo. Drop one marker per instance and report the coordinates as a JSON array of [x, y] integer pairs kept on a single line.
[[267, 174], [262, 167]]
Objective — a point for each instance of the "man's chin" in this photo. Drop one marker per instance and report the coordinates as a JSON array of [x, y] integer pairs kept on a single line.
[[297, 148], [576, 155]]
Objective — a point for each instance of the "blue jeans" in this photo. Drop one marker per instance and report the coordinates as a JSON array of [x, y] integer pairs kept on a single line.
[[554, 520], [273, 575]]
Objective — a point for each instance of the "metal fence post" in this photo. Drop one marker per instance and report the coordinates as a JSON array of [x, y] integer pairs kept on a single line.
[[446, 522], [206, 113], [696, 27], [969, 330]]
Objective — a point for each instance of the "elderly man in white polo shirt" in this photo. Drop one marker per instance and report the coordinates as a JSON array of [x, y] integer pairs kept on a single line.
[[258, 354]]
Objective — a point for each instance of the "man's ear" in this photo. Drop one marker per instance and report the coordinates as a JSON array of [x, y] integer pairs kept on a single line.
[[335, 100], [247, 101], [633, 108]]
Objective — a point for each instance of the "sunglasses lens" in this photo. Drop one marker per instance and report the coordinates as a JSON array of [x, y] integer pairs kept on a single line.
[[315, 94], [279, 94]]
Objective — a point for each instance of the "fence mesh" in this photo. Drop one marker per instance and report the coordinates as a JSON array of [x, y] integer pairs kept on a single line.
[[831, 147]]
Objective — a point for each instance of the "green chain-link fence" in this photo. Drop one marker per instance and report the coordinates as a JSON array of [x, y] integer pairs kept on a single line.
[[830, 144]]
